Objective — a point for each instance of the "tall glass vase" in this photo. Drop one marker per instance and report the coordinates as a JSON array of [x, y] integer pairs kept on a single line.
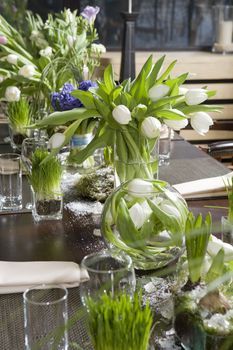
[[135, 156]]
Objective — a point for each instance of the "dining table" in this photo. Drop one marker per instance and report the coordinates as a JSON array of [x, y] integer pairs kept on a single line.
[[73, 237]]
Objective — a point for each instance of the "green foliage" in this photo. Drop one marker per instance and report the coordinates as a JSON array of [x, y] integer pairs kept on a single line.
[[119, 323], [197, 233], [45, 177], [19, 114], [229, 188]]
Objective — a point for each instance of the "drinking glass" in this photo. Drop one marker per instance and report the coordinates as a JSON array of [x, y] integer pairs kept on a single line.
[[110, 272], [29, 146], [45, 317], [10, 182]]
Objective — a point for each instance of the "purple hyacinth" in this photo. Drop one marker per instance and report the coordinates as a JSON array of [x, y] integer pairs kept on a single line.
[[64, 101], [90, 13]]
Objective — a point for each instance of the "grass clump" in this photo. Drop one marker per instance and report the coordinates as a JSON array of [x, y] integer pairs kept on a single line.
[[19, 114]]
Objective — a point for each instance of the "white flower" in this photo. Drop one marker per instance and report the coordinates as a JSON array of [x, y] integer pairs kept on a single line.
[[71, 40], [151, 127], [216, 244], [176, 124], [47, 52], [85, 72], [56, 140], [140, 188], [158, 91], [12, 59], [121, 114], [200, 122], [2, 78], [12, 94], [98, 48], [41, 43], [182, 90], [27, 71], [169, 209], [139, 214], [195, 96]]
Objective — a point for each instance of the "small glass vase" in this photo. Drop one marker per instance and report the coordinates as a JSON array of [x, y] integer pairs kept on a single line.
[[135, 156], [47, 207], [198, 328], [145, 219], [17, 137]]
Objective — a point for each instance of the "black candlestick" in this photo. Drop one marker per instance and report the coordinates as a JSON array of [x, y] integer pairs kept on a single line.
[[128, 46]]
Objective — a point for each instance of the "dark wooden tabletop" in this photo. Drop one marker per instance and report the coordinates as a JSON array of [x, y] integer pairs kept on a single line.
[[21, 239]]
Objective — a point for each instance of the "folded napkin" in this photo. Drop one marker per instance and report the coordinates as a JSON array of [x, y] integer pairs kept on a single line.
[[214, 186], [16, 277]]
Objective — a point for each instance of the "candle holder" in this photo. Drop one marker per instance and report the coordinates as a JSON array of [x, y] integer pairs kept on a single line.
[[223, 21], [128, 46]]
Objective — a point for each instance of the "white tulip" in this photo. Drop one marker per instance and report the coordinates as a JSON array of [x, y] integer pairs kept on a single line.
[[12, 94], [216, 244], [71, 40], [195, 96], [12, 59], [151, 127], [140, 188], [137, 215], [176, 124], [27, 71], [169, 209], [200, 122], [158, 91], [85, 72], [47, 52], [121, 114], [182, 90], [2, 78], [56, 140], [98, 48]]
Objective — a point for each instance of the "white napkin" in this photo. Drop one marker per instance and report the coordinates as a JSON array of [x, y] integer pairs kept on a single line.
[[214, 186], [16, 277]]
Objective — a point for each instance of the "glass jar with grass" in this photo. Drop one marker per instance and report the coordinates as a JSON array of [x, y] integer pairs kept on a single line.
[[204, 304], [45, 180], [227, 221]]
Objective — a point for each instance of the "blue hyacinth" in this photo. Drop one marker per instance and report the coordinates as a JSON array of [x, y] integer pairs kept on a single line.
[[64, 101]]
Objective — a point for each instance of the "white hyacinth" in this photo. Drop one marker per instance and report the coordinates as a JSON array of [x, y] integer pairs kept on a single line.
[[47, 52]]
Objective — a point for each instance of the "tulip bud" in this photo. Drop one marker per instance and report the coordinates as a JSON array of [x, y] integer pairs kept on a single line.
[[158, 91], [139, 213], [12, 59], [27, 71], [71, 40], [47, 52], [200, 122], [182, 90], [169, 209], [151, 127], [12, 94], [56, 140], [140, 188], [3, 40], [98, 48], [176, 124], [2, 78], [121, 114], [195, 96]]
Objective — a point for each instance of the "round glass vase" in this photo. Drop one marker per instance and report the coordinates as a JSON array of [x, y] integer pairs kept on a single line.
[[77, 143], [135, 156], [47, 207], [199, 328], [145, 219]]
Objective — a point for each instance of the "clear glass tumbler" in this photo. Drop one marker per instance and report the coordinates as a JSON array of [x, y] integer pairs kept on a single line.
[[223, 22], [110, 272], [45, 318], [10, 182]]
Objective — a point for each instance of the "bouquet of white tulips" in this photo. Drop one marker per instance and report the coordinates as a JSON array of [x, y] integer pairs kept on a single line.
[[130, 115]]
